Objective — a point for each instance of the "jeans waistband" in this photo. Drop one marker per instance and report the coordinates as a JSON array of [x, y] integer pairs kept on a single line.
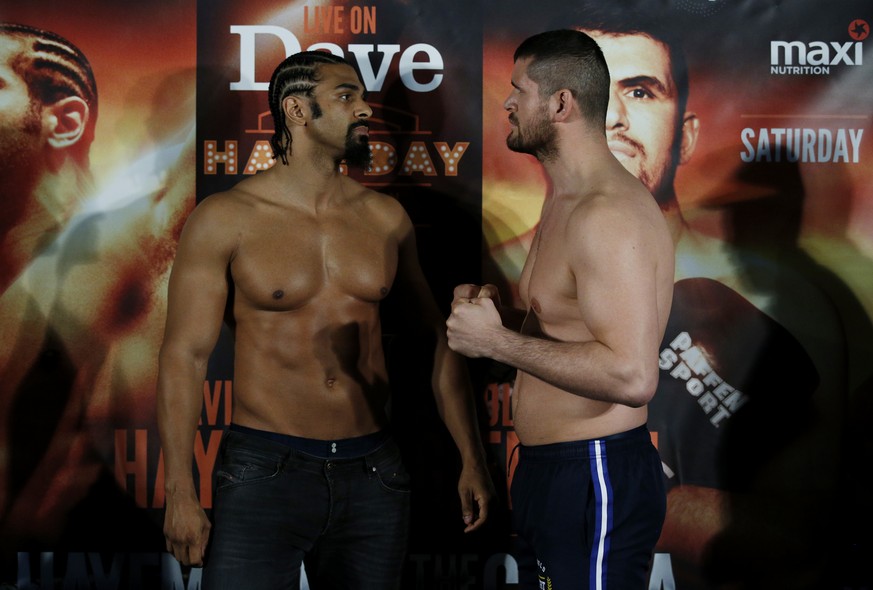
[[580, 449], [343, 448]]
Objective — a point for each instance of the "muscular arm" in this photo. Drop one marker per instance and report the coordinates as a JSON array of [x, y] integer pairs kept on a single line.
[[615, 273], [451, 386], [197, 296]]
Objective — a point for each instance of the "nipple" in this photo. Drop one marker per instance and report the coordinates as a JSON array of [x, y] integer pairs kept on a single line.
[[383, 291], [278, 294]]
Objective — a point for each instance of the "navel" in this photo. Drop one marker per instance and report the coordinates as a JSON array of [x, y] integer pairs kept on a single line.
[[278, 294], [535, 305], [330, 381]]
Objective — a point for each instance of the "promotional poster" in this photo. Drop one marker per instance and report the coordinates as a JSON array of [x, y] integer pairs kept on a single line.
[[748, 121]]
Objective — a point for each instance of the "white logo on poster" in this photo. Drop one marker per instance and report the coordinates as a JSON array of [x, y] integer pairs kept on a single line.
[[415, 58], [817, 53], [686, 361], [817, 57]]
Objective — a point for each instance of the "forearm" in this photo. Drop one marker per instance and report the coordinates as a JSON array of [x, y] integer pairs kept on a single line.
[[179, 404], [588, 369], [454, 400]]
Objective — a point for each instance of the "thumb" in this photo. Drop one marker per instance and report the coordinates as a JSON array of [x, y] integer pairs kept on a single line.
[[466, 507]]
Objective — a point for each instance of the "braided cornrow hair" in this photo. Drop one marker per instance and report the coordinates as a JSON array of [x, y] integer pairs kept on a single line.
[[53, 69], [296, 75]]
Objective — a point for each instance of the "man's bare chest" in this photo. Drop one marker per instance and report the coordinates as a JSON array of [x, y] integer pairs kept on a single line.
[[286, 265], [548, 285]]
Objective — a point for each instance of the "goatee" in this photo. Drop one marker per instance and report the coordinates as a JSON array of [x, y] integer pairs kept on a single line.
[[357, 152]]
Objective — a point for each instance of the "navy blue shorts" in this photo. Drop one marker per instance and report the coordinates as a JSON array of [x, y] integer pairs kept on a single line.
[[588, 513]]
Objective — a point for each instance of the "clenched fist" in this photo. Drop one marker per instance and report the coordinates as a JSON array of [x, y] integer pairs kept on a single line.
[[475, 322]]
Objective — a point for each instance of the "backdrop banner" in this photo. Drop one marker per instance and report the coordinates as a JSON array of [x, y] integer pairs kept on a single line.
[[751, 121]]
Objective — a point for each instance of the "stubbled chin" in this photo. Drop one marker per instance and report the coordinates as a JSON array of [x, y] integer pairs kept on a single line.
[[629, 163], [621, 156], [624, 158]]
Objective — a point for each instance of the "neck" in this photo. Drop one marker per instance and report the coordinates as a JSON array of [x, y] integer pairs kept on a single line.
[[312, 181], [45, 211], [582, 155], [672, 213]]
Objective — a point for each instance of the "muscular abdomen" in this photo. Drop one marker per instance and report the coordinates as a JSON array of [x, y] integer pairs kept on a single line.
[[317, 371], [308, 358]]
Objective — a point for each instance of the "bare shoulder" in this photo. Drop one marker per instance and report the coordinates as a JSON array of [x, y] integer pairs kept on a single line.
[[384, 209], [628, 217], [219, 217], [232, 205]]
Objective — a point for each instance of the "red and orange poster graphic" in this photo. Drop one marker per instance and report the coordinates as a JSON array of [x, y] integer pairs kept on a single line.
[[764, 155]]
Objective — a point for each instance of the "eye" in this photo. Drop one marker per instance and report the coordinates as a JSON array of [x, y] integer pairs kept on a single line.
[[640, 92]]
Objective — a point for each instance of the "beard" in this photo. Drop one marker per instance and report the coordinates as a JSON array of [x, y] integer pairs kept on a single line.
[[21, 161], [357, 150], [538, 139], [657, 176]]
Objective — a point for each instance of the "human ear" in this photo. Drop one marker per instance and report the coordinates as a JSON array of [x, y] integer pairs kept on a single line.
[[562, 104], [66, 121], [689, 132], [295, 112]]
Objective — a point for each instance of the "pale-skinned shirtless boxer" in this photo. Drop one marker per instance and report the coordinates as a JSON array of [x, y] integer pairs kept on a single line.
[[588, 494]]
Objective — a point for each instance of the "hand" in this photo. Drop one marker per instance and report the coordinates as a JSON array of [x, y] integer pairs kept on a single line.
[[476, 491], [186, 529], [473, 326], [469, 291]]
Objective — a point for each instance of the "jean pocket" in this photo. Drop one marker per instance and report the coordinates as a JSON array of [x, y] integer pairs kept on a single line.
[[391, 472], [239, 469]]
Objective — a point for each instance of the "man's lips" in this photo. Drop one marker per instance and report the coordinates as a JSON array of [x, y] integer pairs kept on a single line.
[[621, 149]]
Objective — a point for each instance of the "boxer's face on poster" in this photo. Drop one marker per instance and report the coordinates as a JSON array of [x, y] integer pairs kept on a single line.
[[642, 118], [19, 115]]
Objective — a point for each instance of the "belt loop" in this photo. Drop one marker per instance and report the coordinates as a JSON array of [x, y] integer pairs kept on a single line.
[[369, 465]]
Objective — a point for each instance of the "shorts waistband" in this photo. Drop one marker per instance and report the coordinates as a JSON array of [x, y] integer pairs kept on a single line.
[[342, 448], [580, 449]]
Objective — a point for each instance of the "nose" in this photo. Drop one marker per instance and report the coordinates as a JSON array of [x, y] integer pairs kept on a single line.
[[616, 114], [509, 103], [363, 111]]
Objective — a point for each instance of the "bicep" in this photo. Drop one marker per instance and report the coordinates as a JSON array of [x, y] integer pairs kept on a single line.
[[415, 295], [197, 289]]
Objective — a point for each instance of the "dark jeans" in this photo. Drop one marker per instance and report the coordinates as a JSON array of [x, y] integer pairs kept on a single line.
[[346, 519]]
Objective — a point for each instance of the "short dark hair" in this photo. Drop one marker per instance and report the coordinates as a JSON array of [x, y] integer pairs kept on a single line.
[[53, 69], [298, 74], [569, 59], [614, 20]]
